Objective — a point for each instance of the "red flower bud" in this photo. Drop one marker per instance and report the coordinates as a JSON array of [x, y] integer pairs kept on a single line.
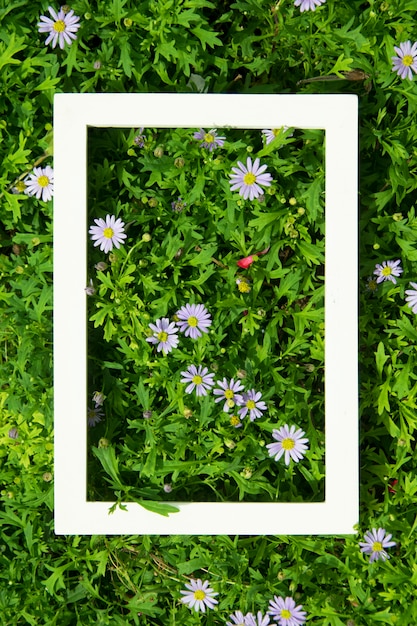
[[392, 485], [246, 262]]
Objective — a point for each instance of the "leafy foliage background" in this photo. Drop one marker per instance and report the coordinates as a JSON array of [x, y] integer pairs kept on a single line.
[[248, 46]]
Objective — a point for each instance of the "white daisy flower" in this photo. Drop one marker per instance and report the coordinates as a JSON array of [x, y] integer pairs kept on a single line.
[[41, 183]]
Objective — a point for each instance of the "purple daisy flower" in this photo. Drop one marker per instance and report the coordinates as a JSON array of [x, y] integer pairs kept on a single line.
[[178, 205], [229, 392], [374, 544], [94, 416], [199, 595], [247, 179], [108, 233], [164, 333], [61, 28], [198, 378], [285, 612], [41, 183], [271, 133], [259, 620], [194, 319], [308, 5], [139, 139], [387, 270], [251, 401], [209, 140], [411, 298], [290, 443], [13, 433], [238, 619], [406, 60]]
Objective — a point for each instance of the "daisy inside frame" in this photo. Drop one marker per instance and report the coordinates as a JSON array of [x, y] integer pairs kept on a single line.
[[337, 116]]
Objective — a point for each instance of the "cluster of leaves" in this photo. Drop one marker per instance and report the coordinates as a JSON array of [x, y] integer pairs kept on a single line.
[[247, 46]]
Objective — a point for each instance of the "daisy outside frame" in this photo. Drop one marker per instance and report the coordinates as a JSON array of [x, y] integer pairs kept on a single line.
[[337, 115]]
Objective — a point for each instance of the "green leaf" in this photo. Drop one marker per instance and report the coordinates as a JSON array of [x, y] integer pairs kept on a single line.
[[310, 252], [48, 83], [381, 358], [206, 37], [313, 197], [203, 258], [383, 402], [7, 53], [162, 508], [264, 220], [342, 65], [108, 460], [56, 579]]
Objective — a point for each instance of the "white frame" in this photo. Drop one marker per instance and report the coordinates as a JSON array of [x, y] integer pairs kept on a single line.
[[337, 115]]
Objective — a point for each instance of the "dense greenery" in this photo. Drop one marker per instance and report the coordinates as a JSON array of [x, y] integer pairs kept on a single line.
[[250, 46]]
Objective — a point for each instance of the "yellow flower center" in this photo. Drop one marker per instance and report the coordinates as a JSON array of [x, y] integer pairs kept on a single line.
[[285, 613], [108, 233], [199, 594], [228, 394], [276, 131], [377, 546], [197, 380], [192, 321], [243, 286], [386, 271], [234, 420], [230, 404], [407, 60], [20, 186], [250, 404], [209, 138], [288, 444], [59, 26], [43, 181], [249, 178], [162, 336]]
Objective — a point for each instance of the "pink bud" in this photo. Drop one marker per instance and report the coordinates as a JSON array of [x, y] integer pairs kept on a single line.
[[246, 262]]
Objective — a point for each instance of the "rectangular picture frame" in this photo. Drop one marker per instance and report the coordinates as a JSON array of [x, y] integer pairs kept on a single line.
[[337, 115]]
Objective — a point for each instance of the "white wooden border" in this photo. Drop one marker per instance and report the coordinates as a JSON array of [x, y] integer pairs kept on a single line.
[[337, 115]]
